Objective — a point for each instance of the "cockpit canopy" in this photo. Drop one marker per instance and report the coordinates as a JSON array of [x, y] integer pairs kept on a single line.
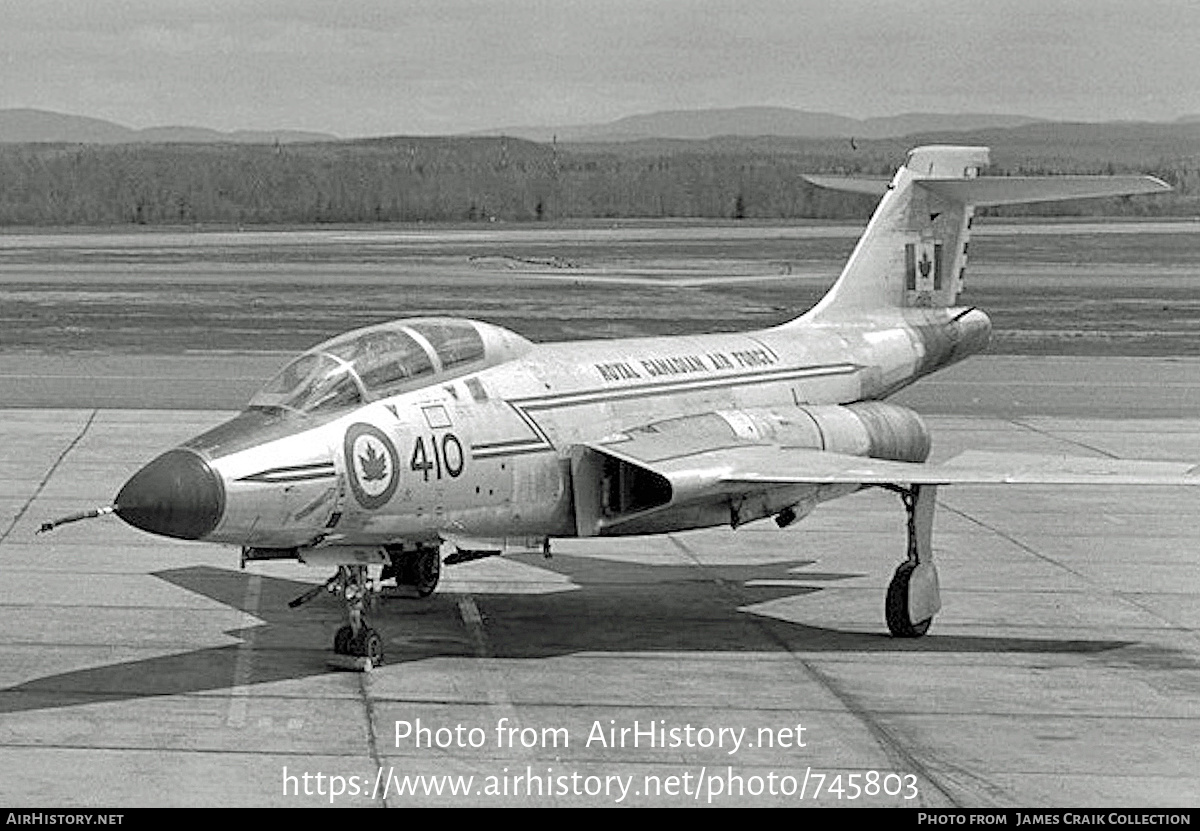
[[379, 361]]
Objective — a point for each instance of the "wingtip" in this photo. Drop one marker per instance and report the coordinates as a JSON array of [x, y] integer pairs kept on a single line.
[[1159, 186]]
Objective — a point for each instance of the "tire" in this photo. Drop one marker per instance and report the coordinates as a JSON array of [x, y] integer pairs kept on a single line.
[[427, 568], [895, 608], [341, 641], [372, 646]]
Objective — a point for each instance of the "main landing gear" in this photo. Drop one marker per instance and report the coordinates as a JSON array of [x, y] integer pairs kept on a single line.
[[420, 569], [912, 596]]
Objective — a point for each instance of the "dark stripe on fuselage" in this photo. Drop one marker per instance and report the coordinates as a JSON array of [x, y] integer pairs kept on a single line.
[[576, 399], [510, 449], [293, 473]]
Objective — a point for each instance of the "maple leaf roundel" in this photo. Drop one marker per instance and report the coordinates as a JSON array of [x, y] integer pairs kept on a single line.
[[371, 465]]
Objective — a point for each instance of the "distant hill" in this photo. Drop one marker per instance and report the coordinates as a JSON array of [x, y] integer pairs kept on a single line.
[[1058, 145], [1040, 147], [741, 124], [761, 121], [22, 126]]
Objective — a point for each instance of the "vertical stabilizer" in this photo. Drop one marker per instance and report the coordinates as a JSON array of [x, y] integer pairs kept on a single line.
[[914, 250]]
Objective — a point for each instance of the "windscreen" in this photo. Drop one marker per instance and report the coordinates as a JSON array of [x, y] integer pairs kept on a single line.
[[349, 370], [314, 381]]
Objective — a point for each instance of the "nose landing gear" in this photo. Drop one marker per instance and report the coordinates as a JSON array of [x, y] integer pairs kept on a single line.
[[357, 639], [356, 645]]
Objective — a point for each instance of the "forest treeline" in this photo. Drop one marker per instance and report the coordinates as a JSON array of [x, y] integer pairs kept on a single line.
[[480, 179]]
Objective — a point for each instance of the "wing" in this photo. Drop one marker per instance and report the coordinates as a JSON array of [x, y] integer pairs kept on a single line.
[[650, 480], [802, 465]]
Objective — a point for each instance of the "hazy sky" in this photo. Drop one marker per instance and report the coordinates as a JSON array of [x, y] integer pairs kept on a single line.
[[371, 67]]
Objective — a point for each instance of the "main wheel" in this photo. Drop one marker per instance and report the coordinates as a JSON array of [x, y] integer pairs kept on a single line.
[[427, 571], [895, 608]]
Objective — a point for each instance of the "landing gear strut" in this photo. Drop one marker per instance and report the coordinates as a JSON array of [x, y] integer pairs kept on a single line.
[[356, 639], [912, 596], [420, 569]]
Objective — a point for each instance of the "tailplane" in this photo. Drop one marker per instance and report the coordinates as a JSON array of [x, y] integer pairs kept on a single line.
[[914, 251]]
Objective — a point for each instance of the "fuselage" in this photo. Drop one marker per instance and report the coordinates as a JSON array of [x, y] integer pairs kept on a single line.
[[480, 445]]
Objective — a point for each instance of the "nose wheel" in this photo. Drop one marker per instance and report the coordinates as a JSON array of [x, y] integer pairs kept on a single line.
[[366, 644], [357, 639]]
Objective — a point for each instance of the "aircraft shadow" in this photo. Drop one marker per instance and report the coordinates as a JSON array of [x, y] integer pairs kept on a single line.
[[618, 607]]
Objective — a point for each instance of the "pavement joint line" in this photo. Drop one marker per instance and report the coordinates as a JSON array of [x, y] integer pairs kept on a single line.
[[1021, 423], [49, 473], [1099, 588], [892, 746], [364, 689]]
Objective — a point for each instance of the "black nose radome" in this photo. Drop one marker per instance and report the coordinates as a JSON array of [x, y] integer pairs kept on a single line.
[[176, 495]]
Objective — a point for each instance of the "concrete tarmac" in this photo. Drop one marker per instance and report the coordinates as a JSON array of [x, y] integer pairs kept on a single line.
[[1064, 669]]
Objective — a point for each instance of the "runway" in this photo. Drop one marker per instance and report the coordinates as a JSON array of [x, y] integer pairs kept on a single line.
[[1005, 385], [1064, 669]]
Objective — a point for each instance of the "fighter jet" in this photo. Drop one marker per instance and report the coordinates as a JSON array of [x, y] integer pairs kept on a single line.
[[375, 451]]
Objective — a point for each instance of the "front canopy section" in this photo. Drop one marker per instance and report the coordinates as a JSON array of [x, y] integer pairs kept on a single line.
[[384, 360]]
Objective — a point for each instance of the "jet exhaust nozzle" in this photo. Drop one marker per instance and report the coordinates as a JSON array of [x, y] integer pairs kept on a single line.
[[175, 495]]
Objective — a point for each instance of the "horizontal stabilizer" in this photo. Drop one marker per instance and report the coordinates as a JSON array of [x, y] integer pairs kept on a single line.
[[1006, 190], [1016, 190], [848, 184]]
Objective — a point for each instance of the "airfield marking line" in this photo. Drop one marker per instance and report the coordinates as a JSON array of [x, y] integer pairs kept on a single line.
[[902, 759], [49, 473], [495, 678], [497, 690], [470, 615], [245, 657]]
